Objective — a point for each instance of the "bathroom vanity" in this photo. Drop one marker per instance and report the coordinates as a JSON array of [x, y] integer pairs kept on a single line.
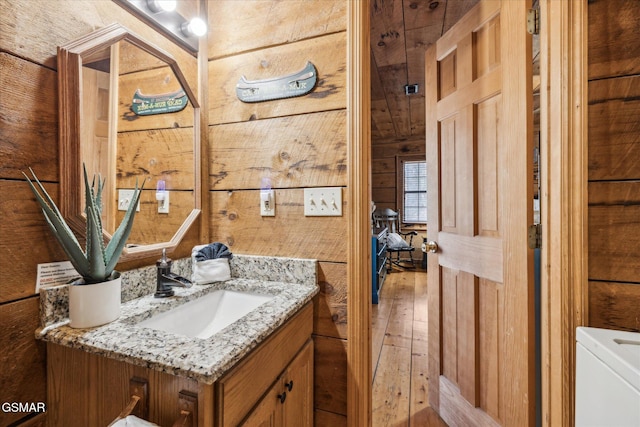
[[256, 371]]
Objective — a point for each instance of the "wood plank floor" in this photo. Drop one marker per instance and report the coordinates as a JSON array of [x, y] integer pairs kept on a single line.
[[399, 345]]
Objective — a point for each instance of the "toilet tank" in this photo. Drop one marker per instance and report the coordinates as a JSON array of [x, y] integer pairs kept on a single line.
[[607, 378]]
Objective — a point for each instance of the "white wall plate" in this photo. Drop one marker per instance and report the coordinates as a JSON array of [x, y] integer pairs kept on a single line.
[[323, 201]]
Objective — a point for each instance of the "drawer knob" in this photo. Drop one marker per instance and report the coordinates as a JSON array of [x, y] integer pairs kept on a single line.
[[282, 396], [289, 385]]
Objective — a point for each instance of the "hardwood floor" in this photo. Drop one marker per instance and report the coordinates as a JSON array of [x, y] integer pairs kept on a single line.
[[399, 343]]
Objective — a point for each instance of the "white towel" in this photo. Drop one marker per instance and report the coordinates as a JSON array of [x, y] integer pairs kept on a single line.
[[210, 270], [133, 421]]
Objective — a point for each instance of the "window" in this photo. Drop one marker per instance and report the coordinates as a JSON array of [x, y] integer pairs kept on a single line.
[[414, 191]]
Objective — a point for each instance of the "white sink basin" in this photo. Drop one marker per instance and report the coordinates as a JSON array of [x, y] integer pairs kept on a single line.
[[207, 315]]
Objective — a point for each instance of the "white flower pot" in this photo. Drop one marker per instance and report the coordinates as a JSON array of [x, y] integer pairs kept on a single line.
[[94, 305]]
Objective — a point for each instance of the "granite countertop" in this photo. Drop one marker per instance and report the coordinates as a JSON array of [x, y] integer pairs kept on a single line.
[[293, 283]]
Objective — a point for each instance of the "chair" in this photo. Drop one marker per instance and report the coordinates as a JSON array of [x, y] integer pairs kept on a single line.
[[397, 242]]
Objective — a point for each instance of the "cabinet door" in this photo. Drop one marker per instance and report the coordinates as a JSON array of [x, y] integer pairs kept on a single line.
[[243, 387], [267, 413], [289, 402], [297, 381]]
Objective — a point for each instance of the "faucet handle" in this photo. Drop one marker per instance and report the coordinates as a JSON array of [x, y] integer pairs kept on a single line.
[[164, 262]]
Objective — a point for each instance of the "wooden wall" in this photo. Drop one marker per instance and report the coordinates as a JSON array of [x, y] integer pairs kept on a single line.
[[29, 35], [383, 167], [614, 164], [294, 143]]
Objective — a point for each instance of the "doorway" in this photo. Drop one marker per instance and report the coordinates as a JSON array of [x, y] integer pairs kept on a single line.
[[538, 346]]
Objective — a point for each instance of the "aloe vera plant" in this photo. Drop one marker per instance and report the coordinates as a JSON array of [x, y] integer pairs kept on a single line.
[[95, 263]]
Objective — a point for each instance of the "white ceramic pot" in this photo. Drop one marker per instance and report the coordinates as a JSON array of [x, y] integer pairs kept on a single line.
[[94, 305]]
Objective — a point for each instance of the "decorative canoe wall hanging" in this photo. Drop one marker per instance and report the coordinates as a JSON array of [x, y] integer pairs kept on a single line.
[[296, 84], [146, 105]]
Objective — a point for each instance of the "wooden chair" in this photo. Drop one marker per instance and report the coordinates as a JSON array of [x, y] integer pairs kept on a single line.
[[399, 243]]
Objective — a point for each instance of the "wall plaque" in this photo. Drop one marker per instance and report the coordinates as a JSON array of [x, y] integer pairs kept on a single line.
[[296, 84], [146, 105]]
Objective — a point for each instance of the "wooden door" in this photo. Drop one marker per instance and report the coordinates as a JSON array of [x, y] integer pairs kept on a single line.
[[479, 163], [95, 148]]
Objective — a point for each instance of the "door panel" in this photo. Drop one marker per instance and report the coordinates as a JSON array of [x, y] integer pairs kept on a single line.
[[449, 324], [479, 160], [489, 303], [449, 176], [467, 336], [488, 116]]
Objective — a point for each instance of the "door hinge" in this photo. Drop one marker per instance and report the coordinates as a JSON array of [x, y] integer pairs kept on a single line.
[[533, 21], [534, 237]]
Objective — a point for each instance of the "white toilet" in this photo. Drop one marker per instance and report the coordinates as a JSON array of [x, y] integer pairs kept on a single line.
[[607, 378]]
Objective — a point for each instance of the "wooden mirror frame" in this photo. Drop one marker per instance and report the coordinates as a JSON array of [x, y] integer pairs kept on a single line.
[[70, 61]]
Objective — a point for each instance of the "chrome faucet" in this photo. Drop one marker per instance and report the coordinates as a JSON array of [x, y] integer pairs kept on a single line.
[[166, 280]]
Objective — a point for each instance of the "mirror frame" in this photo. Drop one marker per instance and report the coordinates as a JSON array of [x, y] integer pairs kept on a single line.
[[70, 61]]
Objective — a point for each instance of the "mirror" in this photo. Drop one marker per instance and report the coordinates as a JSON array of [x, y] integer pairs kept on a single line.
[[128, 113]]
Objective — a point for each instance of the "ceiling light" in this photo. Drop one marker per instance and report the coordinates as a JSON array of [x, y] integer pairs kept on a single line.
[[157, 6], [195, 27]]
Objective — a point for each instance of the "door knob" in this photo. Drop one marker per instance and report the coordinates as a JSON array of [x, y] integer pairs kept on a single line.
[[432, 247]]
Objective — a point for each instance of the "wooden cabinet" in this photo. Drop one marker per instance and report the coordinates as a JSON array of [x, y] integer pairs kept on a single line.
[[260, 378], [289, 402], [86, 389]]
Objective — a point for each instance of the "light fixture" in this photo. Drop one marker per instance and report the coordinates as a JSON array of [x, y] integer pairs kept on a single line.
[[196, 27], [161, 14], [158, 6]]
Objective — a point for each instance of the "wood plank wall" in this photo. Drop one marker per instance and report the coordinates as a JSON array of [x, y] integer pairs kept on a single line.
[[29, 37], [294, 143], [383, 167], [614, 164]]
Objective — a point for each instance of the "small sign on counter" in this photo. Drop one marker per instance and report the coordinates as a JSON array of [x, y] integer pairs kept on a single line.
[[55, 273]]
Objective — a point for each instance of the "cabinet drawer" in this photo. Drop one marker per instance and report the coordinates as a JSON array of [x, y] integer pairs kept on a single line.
[[239, 390]]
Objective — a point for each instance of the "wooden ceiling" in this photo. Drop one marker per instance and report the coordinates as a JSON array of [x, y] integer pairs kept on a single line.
[[401, 31]]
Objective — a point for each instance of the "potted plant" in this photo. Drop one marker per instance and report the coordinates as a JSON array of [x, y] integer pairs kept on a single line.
[[94, 299]]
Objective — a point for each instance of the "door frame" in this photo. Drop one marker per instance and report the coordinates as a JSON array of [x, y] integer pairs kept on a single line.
[[563, 171], [358, 193]]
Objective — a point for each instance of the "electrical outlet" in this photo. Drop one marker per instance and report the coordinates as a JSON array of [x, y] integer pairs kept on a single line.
[[325, 201], [124, 199]]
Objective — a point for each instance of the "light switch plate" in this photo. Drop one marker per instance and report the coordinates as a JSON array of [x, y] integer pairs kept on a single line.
[[124, 199], [323, 201], [164, 207], [267, 203]]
